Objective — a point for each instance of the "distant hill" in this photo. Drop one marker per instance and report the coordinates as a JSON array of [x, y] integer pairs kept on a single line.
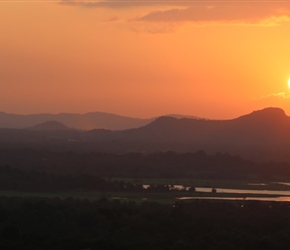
[[50, 126], [261, 134], [269, 123]]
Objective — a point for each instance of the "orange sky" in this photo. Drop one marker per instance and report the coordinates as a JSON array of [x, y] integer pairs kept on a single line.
[[143, 59]]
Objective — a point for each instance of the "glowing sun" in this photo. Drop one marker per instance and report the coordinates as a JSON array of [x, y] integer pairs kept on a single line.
[[289, 83]]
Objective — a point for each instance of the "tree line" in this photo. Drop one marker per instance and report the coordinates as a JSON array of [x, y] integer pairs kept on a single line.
[[12, 179], [142, 165]]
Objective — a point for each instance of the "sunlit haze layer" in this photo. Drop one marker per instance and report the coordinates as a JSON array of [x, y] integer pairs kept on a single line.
[[213, 59]]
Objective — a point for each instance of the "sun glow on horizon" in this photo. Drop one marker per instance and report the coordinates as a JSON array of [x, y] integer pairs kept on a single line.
[[143, 61]]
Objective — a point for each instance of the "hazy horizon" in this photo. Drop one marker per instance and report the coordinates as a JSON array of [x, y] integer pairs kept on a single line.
[[211, 59], [139, 117]]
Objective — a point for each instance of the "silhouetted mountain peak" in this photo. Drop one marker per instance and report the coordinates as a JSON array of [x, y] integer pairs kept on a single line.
[[178, 116], [270, 112], [163, 121], [266, 115]]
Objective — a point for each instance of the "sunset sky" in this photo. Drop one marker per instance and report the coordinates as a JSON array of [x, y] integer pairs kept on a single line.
[[213, 59]]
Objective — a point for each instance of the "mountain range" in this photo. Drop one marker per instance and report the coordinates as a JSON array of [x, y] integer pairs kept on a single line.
[[262, 135], [88, 121]]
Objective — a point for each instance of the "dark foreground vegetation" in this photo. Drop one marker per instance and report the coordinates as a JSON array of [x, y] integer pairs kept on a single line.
[[102, 224]]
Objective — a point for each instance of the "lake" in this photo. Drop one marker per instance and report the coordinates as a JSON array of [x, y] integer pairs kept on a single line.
[[278, 195], [249, 194]]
